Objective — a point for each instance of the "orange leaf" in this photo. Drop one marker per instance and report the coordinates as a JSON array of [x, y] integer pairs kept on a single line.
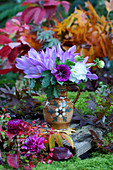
[[51, 141], [68, 139], [58, 139], [90, 7], [103, 46], [109, 5]]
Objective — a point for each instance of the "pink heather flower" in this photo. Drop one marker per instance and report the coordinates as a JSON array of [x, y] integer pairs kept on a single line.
[[14, 126], [62, 73], [33, 144]]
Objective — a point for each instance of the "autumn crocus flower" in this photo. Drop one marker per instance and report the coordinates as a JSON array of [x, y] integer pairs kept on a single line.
[[33, 144], [14, 126], [62, 73]]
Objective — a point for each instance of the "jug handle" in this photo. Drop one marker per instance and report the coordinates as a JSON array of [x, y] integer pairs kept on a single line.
[[77, 95]]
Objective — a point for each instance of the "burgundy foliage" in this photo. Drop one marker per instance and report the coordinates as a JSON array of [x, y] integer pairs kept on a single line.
[[38, 11], [61, 153]]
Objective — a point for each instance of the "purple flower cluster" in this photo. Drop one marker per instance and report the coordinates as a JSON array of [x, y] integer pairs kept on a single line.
[[33, 144], [36, 62], [14, 126]]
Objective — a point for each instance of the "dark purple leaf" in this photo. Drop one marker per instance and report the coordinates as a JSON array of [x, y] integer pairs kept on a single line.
[[61, 153]]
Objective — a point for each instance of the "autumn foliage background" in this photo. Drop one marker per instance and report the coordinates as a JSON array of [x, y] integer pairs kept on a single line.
[[43, 20]]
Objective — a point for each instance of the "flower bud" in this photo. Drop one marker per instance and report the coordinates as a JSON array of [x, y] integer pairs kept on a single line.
[[101, 64], [77, 57]]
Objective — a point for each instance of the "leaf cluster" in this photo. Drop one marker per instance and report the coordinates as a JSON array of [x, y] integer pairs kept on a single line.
[[91, 34], [47, 38], [49, 84], [67, 63], [19, 103]]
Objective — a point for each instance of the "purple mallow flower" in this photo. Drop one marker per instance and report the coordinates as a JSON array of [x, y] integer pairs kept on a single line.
[[62, 73], [14, 126], [33, 144]]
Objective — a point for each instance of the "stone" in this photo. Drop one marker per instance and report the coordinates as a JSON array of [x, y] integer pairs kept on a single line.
[[82, 138]]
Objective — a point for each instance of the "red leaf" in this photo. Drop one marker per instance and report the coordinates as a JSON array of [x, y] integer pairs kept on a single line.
[[5, 71], [66, 5], [4, 39], [33, 13], [39, 15], [10, 135], [61, 153], [50, 7], [13, 160], [13, 24], [13, 54], [4, 51], [50, 11]]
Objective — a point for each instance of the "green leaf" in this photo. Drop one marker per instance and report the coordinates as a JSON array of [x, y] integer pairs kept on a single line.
[[69, 63], [46, 73], [53, 80], [49, 92], [45, 35], [68, 139], [56, 91], [31, 85], [45, 82], [58, 139], [51, 141], [61, 83], [53, 41], [37, 85], [47, 77]]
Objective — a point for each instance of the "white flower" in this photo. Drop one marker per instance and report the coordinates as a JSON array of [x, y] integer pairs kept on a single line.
[[78, 72]]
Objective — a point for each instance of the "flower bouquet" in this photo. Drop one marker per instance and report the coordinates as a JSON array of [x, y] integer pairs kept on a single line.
[[53, 70], [54, 66]]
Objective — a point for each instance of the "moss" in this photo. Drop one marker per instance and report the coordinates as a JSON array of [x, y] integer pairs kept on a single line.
[[81, 102], [101, 162]]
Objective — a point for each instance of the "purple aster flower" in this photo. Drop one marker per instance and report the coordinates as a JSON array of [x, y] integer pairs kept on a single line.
[[14, 126], [62, 73], [33, 144]]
